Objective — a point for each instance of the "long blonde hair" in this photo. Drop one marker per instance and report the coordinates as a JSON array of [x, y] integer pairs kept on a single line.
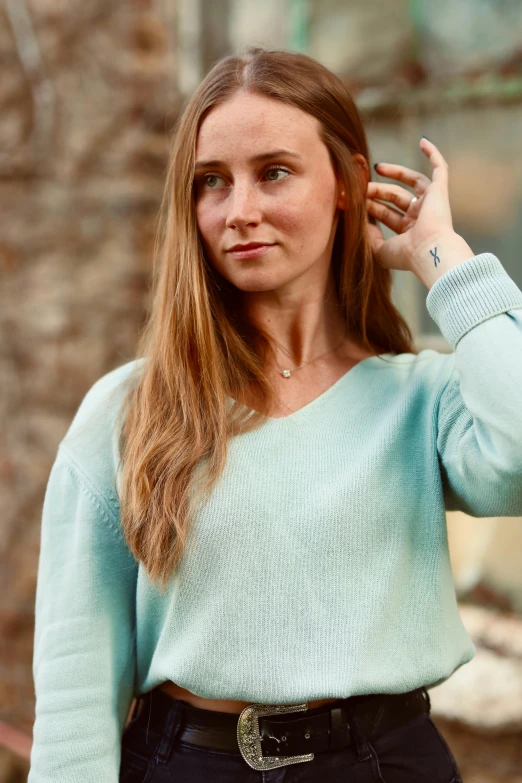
[[195, 349]]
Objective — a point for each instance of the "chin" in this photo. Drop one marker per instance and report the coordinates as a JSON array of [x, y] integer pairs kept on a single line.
[[250, 286], [251, 279]]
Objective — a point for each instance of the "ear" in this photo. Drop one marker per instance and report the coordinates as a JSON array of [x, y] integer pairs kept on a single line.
[[362, 163]]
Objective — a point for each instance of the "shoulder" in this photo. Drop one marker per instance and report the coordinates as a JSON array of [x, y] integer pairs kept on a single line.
[[102, 402], [91, 441], [428, 370]]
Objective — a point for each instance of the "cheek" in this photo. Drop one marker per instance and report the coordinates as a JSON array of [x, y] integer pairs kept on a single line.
[[308, 224], [315, 208], [286, 219], [297, 212]]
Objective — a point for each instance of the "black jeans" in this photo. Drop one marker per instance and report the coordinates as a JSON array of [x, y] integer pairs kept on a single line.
[[415, 752]]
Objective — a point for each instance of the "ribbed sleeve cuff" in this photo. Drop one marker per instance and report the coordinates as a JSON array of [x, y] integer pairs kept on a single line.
[[469, 293]]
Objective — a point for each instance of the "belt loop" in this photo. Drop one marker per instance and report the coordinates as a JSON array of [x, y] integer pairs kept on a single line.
[[171, 729], [336, 727], [359, 740]]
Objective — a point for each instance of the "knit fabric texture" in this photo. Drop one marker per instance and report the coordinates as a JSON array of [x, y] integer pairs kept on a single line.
[[318, 568]]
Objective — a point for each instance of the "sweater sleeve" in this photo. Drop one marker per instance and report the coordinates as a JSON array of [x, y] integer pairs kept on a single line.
[[478, 309], [84, 659]]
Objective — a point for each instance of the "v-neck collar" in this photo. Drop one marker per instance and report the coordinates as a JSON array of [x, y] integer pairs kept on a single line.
[[327, 392]]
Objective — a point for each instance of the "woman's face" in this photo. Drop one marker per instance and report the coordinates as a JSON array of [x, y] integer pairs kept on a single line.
[[264, 176]]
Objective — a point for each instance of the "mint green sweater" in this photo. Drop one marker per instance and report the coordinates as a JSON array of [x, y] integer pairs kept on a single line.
[[318, 568]]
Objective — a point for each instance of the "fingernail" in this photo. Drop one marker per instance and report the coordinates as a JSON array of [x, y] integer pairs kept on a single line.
[[425, 137], [375, 166]]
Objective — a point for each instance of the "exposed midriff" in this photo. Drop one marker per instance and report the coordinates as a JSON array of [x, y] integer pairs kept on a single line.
[[219, 705]]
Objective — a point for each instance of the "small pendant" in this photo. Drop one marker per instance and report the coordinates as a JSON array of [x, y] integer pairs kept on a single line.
[[286, 373]]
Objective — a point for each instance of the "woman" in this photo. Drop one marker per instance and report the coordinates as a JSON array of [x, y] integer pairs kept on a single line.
[[244, 527]]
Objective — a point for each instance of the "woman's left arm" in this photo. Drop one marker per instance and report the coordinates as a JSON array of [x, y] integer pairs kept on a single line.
[[478, 309]]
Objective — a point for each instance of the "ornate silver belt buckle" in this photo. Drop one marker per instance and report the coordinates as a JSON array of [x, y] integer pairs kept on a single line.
[[249, 739]]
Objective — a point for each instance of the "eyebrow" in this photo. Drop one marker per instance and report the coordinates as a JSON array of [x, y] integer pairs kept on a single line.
[[203, 164]]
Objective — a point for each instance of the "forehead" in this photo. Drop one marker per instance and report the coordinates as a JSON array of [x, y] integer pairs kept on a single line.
[[248, 122]]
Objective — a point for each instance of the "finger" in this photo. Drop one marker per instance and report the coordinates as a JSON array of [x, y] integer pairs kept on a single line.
[[410, 177], [393, 193], [440, 166], [387, 215]]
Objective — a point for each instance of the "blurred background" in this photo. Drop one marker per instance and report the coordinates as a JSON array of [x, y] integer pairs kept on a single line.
[[88, 94]]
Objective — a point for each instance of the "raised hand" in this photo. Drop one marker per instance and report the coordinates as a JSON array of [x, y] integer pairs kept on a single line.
[[420, 224]]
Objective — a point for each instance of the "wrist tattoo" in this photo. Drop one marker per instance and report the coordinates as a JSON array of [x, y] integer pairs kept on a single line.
[[436, 259]]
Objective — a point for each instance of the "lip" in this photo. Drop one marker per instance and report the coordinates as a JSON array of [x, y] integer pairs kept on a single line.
[[249, 251]]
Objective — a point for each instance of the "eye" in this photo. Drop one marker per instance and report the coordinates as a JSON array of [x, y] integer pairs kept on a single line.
[[207, 177], [277, 169]]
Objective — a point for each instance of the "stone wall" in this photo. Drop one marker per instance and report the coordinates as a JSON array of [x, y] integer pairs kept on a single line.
[[88, 91]]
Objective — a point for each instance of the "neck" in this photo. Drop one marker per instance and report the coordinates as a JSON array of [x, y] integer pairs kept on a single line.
[[301, 333]]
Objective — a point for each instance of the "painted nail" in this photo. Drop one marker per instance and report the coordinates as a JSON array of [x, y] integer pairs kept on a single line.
[[425, 137], [375, 166]]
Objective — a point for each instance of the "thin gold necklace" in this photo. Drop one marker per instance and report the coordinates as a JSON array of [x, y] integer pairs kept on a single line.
[[288, 373]]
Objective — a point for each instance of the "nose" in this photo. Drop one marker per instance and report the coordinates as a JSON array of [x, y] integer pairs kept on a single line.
[[243, 206]]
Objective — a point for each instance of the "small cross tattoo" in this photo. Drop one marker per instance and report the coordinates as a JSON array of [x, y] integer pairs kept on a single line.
[[435, 256]]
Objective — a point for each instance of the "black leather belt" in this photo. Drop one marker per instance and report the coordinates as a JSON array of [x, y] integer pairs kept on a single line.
[[289, 730]]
